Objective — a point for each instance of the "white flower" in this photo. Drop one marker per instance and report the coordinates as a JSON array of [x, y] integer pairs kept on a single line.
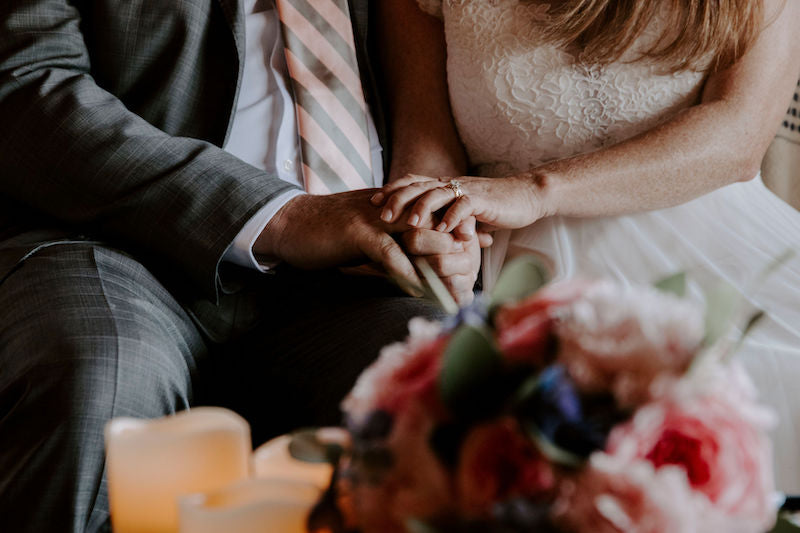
[[621, 338]]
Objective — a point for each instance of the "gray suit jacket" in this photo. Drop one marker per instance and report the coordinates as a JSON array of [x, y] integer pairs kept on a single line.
[[112, 114]]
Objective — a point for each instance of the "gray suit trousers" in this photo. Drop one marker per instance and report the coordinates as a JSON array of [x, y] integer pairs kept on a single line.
[[87, 333]]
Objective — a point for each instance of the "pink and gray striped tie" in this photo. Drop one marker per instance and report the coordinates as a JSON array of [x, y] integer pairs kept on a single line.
[[331, 111]]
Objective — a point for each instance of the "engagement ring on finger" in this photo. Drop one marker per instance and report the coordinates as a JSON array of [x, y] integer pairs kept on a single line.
[[455, 186]]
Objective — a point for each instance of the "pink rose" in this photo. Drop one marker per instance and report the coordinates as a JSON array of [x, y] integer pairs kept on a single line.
[[417, 379], [715, 436], [611, 496], [496, 463], [412, 361], [619, 339]]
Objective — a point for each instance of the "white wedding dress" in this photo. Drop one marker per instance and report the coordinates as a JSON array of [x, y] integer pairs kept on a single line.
[[518, 103]]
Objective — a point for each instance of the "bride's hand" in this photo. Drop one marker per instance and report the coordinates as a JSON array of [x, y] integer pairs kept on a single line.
[[512, 202]]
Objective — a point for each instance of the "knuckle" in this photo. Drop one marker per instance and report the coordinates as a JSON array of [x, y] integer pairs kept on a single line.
[[464, 283], [438, 263], [432, 197], [413, 241], [451, 216], [395, 200], [386, 249]]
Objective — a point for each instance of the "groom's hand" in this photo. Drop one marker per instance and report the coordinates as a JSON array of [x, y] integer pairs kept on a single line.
[[455, 257], [315, 232]]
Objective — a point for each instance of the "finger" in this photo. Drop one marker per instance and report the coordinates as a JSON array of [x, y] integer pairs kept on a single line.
[[430, 242], [460, 286], [382, 249], [409, 179], [429, 203], [465, 230], [483, 227], [446, 265], [400, 199], [461, 210], [485, 239]]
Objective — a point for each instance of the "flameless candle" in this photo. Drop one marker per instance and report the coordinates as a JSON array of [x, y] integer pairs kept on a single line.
[[150, 463], [250, 506]]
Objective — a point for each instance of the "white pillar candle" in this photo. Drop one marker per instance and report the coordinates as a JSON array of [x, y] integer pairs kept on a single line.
[[250, 506], [150, 463]]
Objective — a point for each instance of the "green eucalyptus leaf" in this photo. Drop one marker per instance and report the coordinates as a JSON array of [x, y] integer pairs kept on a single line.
[[521, 277], [305, 446], [783, 525], [674, 284], [722, 305], [472, 361]]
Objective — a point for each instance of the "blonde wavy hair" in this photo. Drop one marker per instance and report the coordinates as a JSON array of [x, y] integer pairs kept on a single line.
[[698, 33]]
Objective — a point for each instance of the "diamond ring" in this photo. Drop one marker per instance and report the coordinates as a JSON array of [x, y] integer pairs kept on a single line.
[[455, 186]]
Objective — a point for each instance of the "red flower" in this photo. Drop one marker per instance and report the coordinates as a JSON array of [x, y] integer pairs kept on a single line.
[[707, 428], [496, 463], [687, 451]]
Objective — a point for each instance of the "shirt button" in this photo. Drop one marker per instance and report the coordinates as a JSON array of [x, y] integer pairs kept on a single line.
[[288, 165]]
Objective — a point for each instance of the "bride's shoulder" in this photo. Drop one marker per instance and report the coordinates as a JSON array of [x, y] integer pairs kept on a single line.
[[432, 7]]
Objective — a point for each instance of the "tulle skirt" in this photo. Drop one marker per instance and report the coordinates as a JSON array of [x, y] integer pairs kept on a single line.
[[731, 234]]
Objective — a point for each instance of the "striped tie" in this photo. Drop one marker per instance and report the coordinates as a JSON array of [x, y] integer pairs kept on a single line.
[[331, 111]]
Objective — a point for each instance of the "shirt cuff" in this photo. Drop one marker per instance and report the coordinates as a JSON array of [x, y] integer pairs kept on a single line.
[[240, 252]]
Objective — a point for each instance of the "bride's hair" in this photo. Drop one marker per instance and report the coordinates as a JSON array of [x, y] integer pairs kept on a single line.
[[698, 33]]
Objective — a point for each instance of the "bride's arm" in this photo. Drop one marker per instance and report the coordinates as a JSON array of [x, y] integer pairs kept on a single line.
[[412, 52], [717, 142]]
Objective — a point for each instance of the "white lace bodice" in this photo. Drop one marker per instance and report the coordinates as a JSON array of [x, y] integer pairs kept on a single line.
[[519, 103]]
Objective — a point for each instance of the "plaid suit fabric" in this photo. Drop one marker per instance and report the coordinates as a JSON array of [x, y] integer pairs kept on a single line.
[[116, 111], [88, 333]]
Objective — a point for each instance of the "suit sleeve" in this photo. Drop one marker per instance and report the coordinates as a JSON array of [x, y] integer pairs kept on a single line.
[[72, 151]]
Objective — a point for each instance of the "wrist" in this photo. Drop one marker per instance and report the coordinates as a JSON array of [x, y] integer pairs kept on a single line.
[[432, 160], [542, 191], [270, 242]]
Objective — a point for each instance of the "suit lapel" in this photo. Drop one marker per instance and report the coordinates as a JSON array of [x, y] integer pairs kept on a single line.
[[235, 18]]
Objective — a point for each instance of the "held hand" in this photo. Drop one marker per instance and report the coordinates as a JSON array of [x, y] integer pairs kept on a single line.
[[335, 230], [511, 202], [454, 257]]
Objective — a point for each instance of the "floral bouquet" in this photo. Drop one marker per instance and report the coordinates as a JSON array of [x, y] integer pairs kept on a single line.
[[578, 406]]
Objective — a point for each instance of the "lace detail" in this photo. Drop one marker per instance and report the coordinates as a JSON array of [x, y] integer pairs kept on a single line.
[[519, 103]]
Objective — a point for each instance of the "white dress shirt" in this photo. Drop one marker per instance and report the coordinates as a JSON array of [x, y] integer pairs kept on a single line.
[[264, 131]]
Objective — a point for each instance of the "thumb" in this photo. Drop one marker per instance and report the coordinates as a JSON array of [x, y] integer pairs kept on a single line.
[[485, 239]]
